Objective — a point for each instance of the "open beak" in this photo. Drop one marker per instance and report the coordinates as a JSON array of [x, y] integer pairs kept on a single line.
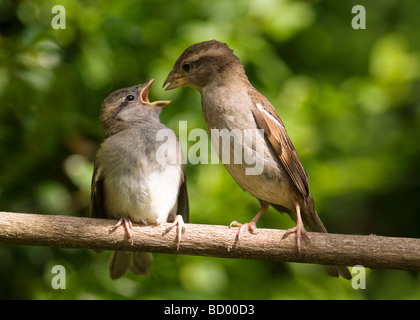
[[144, 97], [175, 80]]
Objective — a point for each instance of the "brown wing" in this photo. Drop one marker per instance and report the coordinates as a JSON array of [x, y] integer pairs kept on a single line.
[[183, 203], [267, 119], [97, 209]]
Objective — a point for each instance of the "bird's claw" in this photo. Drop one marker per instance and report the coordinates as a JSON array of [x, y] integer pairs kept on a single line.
[[179, 223], [128, 225], [252, 227], [300, 232]]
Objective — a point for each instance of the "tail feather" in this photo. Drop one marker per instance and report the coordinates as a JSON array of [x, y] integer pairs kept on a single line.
[[312, 222], [141, 262], [122, 261], [336, 271]]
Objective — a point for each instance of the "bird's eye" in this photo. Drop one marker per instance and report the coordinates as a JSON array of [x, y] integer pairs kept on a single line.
[[186, 66], [130, 97]]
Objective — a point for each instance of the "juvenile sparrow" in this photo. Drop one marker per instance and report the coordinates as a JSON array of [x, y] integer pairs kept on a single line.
[[229, 101], [129, 181]]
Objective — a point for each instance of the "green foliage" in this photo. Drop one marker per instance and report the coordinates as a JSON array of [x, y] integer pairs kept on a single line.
[[350, 100]]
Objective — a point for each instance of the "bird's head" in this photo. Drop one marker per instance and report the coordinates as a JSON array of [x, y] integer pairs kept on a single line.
[[202, 64], [128, 105]]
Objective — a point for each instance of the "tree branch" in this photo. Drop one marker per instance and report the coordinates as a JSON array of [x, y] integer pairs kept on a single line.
[[211, 240]]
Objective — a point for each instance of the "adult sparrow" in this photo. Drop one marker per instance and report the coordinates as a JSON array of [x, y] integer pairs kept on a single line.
[[131, 181], [230, 102]]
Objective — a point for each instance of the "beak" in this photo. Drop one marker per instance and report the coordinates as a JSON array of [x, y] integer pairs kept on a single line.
[[176, 80], [144, 97]]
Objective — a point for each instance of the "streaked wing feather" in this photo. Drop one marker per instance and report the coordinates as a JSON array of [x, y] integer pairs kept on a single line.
[[267, 119], [97, 209]]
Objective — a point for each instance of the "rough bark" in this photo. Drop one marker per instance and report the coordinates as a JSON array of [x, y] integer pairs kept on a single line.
[[211, 240]]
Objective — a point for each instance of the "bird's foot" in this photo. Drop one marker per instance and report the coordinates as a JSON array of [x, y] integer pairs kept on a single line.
[[300, 232], [179, 223], [252, 227], [127, 226]]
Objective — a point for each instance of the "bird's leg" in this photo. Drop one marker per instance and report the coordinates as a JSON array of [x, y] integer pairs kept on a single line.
[[179, 223], [299, 230], [127, 226], [252, 225]]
